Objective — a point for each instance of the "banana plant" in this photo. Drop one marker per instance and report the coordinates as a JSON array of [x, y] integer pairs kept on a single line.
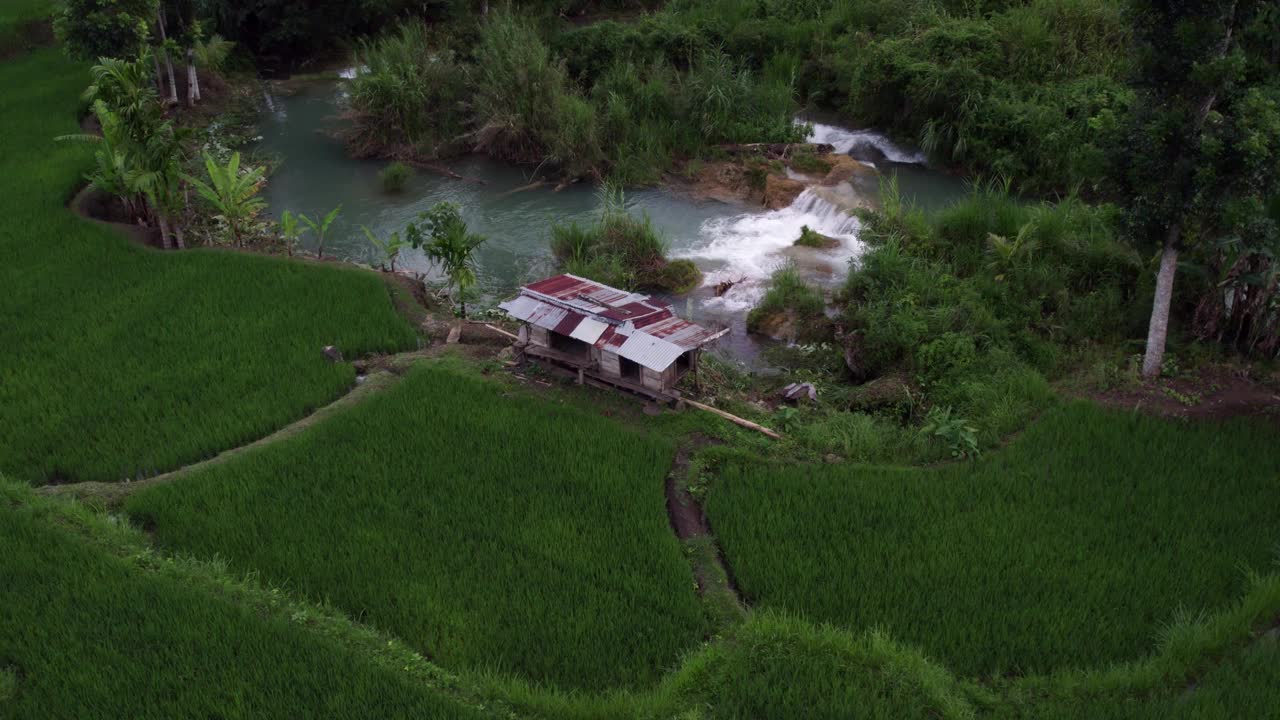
[[321, 228], [290, 231], [232, 193], [389, 247]]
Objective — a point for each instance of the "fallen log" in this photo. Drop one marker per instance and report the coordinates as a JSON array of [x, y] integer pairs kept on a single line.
[[734, 419], [442, 170], [523, 188], [774, 151]]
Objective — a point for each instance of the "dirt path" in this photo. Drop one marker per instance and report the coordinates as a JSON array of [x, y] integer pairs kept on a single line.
[[112, 494], [716, 587]]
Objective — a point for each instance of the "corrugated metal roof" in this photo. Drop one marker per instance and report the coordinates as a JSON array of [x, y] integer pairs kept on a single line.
[[649, 351], [589, 330], [520, 307], [636, 326]]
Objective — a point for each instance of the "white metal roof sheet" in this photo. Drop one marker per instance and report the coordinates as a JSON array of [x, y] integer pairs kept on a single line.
[[649, 351], [589, 330], [520, 307]]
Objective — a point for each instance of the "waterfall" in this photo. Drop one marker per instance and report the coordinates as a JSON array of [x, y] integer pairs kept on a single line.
[[845, 141], [747, 248]]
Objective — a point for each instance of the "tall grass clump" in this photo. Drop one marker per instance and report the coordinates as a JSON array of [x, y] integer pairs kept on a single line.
[[790, 307], [122, 361], [622, 250], [395, 177], [525, 109], [487, 531], [409, 95], [1072, 548], [180, 638]]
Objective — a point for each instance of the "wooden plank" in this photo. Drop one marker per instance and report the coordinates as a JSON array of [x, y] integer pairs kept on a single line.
[[735, 419]]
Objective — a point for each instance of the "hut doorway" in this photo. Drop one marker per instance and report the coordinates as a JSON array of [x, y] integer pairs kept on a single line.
[[630, 369], [569, 346]]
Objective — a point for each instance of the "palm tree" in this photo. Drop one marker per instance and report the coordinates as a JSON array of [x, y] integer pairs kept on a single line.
[[449, 245], [232, 193], [321, 228]]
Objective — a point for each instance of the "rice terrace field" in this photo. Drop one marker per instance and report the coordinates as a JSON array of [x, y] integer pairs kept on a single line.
[[204, 515]]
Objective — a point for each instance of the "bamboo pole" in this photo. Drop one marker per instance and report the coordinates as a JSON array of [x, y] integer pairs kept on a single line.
[[734, 419], [500, 331]]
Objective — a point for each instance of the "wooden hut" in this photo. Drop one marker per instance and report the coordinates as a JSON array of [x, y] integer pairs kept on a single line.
[[629, 340]]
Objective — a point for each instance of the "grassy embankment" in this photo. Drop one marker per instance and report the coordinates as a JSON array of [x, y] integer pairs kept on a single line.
[[1073, 547], [123, 361], [98, 625]]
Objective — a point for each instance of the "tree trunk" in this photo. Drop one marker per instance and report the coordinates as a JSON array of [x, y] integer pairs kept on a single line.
[[1158, 331], [193, 80], [168, 63], [163, 222], [159, 75], [178, 241]]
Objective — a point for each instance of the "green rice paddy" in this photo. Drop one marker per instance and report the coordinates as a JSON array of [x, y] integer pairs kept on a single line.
[[89, 632], [120, 361], [455, 547], [488, 531], [1073, 547]]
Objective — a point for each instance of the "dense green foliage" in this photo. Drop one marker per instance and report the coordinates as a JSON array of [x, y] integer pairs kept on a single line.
[[621, 250], [95, 625], [978, 303], [92, 29], [122, 361], [1015, 89], [1071, 548], [515, 96], [488, 532]]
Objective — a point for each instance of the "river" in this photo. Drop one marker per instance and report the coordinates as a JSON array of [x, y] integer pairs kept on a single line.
[[726, 241]]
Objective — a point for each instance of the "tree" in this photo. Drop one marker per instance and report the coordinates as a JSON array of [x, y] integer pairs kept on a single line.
[[1193, 148], [321, 228], [93, 29], [232, 193], [444, 237]]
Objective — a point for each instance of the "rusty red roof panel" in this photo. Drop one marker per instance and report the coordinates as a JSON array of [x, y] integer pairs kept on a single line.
[[567, 325]]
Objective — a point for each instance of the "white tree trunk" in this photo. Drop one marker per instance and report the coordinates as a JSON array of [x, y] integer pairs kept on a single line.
[[168, 63], [193, 80], [159, 75], [1158, 331]]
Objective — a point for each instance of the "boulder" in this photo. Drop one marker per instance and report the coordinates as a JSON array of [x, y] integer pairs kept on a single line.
[[332, 354], [780, 191], [845, 169]]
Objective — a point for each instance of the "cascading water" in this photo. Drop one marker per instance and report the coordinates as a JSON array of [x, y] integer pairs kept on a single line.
[[846, 141], [745, 249]]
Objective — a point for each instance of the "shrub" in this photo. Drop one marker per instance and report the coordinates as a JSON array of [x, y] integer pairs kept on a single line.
[[408, 94], [395, 177], [622, 250], [790, 308]]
